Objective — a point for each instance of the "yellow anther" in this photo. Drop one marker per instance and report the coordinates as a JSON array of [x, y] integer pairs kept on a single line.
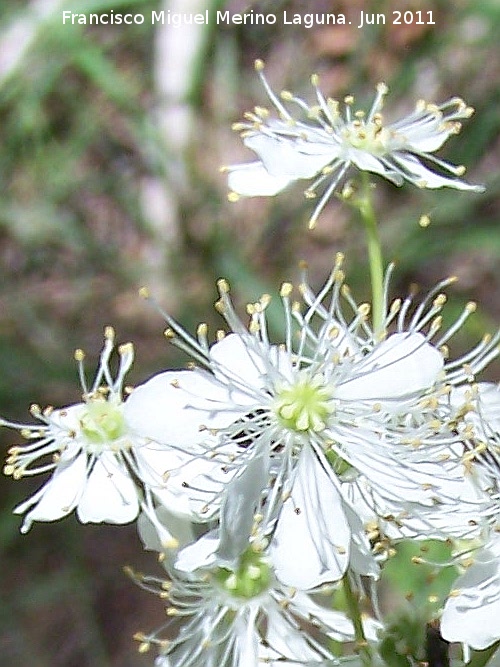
[[286, 95], [364, 309], [436, 323], [202, 330], [262, 112], [126, 348], [172, 543], [172, 611], [265, 300], [223, 286]]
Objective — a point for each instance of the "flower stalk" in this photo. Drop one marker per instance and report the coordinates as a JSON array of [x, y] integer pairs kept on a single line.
[[364, 205], [354, 613]]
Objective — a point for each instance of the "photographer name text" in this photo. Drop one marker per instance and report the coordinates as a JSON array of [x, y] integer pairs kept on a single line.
[[251, 18]]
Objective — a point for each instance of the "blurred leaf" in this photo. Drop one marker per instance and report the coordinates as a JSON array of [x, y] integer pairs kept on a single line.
[[423, 572]]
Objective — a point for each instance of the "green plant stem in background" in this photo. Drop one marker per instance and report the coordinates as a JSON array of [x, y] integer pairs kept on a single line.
[[364, 204], [481, 658], [354, 613]]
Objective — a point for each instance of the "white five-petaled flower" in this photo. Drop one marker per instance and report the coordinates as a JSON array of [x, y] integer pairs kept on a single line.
[[324, 142], [330, 409], [239, 614], [94, 457], [471, 612]]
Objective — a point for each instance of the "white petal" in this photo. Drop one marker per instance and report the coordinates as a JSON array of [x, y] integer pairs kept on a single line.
[[401, 365], [366, 161], [159, 529], [234, 360], [286, 640], [188, 485], [471, 616], [110, 494], [247, 639], [59, 496], [335, 623], [67, 419], [245, 368], [394, 476], [216, 401], [239, 506], [253, 180], [155, 462], [419, 133], [312, 526], [283, 157], [426, 143], [176, 407], [489, 405], [429, 178], [361, 558], [199, 554], [343, 344]]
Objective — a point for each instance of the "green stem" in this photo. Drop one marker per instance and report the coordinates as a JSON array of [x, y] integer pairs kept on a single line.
[[354, 613], [481, 658], [369, 220]]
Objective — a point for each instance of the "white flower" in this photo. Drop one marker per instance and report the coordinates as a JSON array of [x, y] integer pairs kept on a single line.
[[328, 142], [240, 615], [480, 405], [450, 412], [331, 408], [472, 610], [94, 457]]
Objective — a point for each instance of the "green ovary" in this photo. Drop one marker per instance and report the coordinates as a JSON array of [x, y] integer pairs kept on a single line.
[[252, 577], [304, 406], [370, 138], [102, 422]]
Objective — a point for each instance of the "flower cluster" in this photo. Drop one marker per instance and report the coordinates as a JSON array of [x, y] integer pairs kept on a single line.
[[300, 446], [276, 475]]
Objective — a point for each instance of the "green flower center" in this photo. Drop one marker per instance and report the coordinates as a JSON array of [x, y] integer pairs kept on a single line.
[[102, 422], [252, 577], [305, 405]]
